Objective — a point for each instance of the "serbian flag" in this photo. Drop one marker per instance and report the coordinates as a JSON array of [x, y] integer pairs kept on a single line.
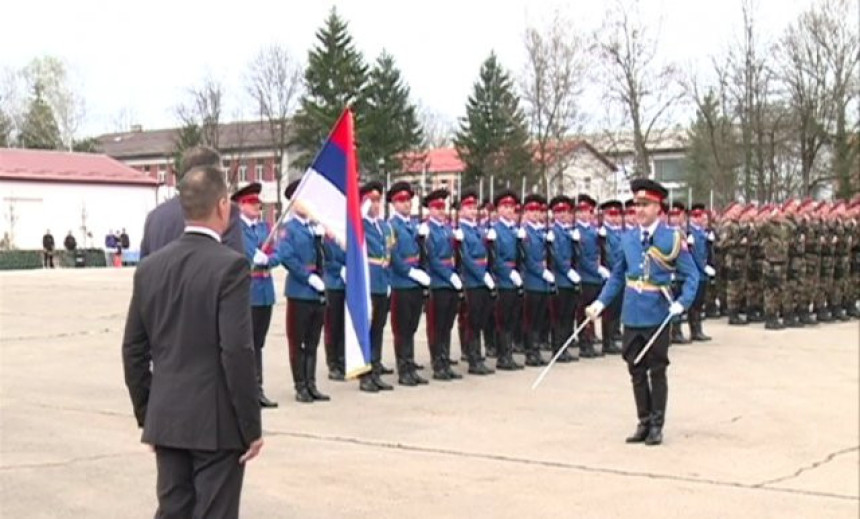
[[329, 193]]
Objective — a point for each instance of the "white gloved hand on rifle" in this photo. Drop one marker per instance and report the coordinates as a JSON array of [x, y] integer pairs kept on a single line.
[[548, 276], [573, 276], [423, 229], [593, 310], [316, 283], [676, 308], [516, 279], [491, 235], [709, 270], [260, 258], [420, 277], [458, 234], [603, 271], [455, 281], [488, 280]]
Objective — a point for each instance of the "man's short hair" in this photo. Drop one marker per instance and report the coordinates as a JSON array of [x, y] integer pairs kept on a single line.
[[200, 190], [196, 157]]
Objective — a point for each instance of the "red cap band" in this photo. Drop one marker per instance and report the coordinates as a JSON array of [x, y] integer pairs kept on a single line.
[[470, 201], [508, 200], [612, 212], [401, 196], [561, 207], [653, 196], [533, 206], [436, 204], [249, 199]]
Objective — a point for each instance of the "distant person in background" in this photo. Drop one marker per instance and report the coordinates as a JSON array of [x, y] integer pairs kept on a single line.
[[111, 244], [48, 249], [123, 240], [165, 223], [70, 243]]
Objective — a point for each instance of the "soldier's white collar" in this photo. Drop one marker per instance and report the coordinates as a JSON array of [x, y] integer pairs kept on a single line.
[[506, 222], [435, 221], [248, 220], [468, 223], [651, 229], [404, 218]]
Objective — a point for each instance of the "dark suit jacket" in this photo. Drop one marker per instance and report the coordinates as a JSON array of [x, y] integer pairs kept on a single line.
[[190, 315], [166, 223]]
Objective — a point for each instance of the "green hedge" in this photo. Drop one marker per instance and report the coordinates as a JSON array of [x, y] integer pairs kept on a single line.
[[32, 259]]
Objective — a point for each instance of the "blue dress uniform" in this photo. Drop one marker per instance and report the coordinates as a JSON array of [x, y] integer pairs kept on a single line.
[[563, 304], [537, 288], [444, 297], [678, 211], [698, 245], [300, 251], [610, 242], [379, 240], [475, 274], [508, 304], [254, 233], [407, 297], [333, 322], [588, 267], [648, 258]]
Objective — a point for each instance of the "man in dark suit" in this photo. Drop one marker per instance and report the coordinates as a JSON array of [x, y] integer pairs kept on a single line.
[[188, 357], [165, 223]]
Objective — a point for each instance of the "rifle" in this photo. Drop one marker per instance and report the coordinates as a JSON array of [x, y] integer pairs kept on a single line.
[[422, 241], [550, 261], [319, 262], [454, 216]]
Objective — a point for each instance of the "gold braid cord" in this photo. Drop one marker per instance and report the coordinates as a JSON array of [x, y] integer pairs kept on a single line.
[[667, 261]]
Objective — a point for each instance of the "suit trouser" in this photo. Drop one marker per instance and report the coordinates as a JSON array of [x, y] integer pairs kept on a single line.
[[650, 388], [193, 484], [441, 313], [406, 304], [334, 329], [304, 327], [261, 317], [379, 315]]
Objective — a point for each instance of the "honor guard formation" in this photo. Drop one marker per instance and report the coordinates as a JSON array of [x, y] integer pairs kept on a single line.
[[517, 275]]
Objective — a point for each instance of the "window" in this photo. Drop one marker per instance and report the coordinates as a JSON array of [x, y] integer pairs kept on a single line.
[[243, 173], [669, 170], [226, 164], [258, 172], [146, 169], [162, 174]]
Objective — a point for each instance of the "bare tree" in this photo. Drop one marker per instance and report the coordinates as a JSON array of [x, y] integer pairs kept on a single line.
[[274, 81], [553, 82], [641, 88], [437, 130], [203, 109], [123, 120]]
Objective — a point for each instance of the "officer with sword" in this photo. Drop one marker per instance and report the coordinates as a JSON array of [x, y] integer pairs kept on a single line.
[[649, 256]]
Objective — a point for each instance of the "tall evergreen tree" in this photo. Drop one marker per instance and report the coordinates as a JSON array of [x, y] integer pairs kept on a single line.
[[492, 139], [335, 76], [391, 124], [713, 153], [39, 129], [5, 130], [187, 136]]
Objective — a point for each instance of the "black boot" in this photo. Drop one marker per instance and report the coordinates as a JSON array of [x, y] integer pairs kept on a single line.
[[851, 310], [655, 429], [772, 322], [614, 333], [642, 397], [265, 403], [840, 314], [696, 332], [565, 356], [824, 316], [533, 356], [755, 316], [376, 376], [678, 335], [476, 365], [367, 384], [311, 376], [297, 367], [805, 317], [790, 320], [505, 360], [736, 320], [404, 373]]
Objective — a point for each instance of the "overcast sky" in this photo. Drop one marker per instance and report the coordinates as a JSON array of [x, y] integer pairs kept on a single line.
[[141, 57]]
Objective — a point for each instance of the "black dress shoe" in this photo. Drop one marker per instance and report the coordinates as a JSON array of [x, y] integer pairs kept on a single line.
[[312, 389], [367, 385], [304, 396], [383, 386], [266, 403], [640, 434]]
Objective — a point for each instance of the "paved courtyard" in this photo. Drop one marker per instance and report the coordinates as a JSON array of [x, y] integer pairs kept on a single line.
[[760, 424]]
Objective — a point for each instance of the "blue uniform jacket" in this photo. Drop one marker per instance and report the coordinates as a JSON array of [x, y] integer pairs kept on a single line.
[[405, 254], [643, 270], [297, 252], [335, 258], [505, 259], [262, 284], [562, 255], [473, 253], [588, 258], [613, 245], [699, 249], [440, 255], [535, 259], [380, 240]]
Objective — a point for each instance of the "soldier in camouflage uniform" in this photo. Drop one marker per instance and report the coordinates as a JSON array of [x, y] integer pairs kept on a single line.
[[717, 284], [794, 303], [773, 234], [755, 267], [853, 283], [733, 243], [827, 239], [811, 259], [841, 261]]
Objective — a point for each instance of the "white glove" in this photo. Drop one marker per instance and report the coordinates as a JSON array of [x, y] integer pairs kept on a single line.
[[711, 236], [420, 277], [316, 283], [516, 279], [548, 277], [260, 258], [488, 280], [388, 291], [365, 207], [691, 240], [573, 277], [521, 233], [343, 274], [458, 234], [319, 230], [676, 308], [601, 232], [491, 235], [455, 281], [550, 236], [575, 234], [709, 270], [593, 310], [423, 229], [603, 271]]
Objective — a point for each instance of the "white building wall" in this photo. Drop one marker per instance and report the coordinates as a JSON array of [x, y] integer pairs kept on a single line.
[[27, 209]]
